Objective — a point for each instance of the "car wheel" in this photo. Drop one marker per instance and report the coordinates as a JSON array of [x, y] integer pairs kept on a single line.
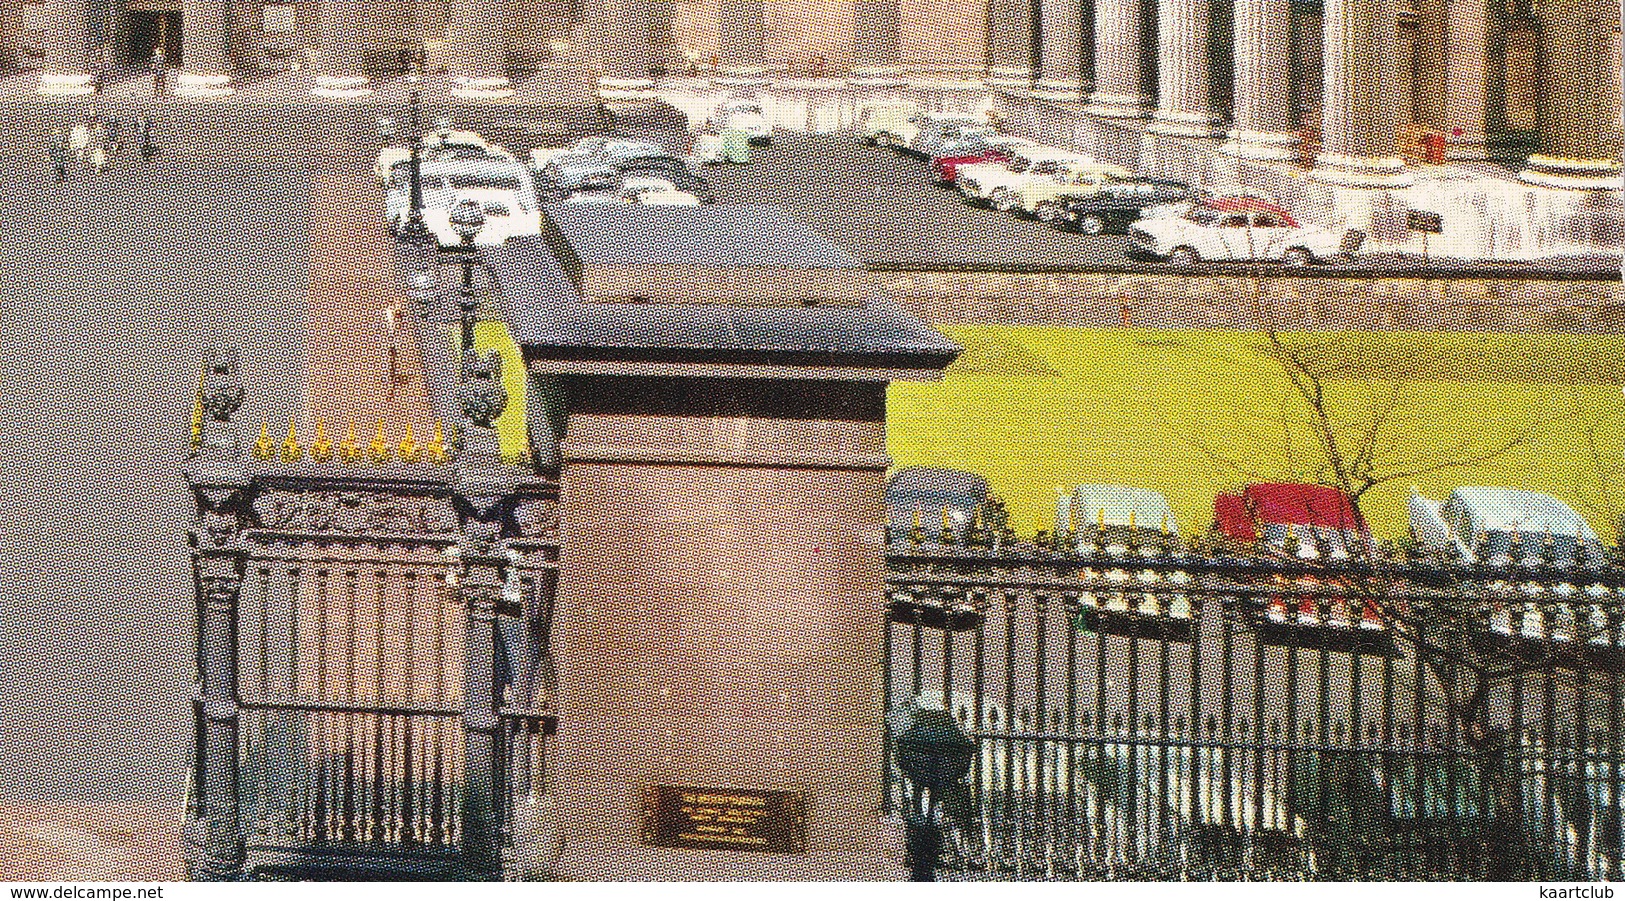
[[1048, 211], [1184, 257], [1092, 225], [1296, 258]]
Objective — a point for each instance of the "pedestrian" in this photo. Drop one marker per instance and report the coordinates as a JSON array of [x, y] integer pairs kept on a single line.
[[79, 140], [157, 73], [148, 149], [98, 157], [57, 148], [115, 141]]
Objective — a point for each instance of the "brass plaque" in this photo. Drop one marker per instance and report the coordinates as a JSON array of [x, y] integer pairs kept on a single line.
[[729, 819]]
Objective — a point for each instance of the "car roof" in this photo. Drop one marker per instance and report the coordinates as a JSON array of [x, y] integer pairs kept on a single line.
[[1248, 204], [1519, 510], [934, 480], [1301, 504], [1115, 505], [1041, 153]]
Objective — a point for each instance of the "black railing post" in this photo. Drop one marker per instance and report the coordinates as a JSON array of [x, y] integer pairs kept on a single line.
[[484, 487], [217, 473]]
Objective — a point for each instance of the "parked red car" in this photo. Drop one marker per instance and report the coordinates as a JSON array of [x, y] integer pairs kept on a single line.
[[1269, 512], [986, 149], [1324, 523]]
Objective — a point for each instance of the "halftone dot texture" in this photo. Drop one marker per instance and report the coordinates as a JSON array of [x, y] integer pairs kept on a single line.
[[256, 224]]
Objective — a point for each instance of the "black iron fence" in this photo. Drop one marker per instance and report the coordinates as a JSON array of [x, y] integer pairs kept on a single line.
[[1175, 711], [374, 692]]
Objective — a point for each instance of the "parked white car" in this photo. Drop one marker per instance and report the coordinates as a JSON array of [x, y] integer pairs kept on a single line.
[[877, 117], [443, 180], [745, 115], [1499, 526], [1026, 198], [1240, 229], [436, 141], [507, 213], [979, 182]]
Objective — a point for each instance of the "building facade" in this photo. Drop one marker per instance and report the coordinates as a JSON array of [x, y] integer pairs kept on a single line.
[[1346, 82]]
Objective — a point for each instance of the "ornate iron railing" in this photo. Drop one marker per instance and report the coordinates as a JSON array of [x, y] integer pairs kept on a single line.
[[1169, 710], [374, 688]]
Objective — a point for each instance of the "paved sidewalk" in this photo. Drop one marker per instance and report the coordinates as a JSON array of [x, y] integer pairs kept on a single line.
[[46, 842], [347, 338]]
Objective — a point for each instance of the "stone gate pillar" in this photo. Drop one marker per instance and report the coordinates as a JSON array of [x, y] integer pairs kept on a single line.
[[1360, 117], [743, 34], [1120, 78], [1579, 111], [720, 602], [1263, 127]]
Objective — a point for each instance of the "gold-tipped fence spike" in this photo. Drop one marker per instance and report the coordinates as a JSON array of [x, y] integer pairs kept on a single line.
[[409, 450], [378, 450], [292, 451], [435, 450], [321, 449], [350, 448], [263, 448]]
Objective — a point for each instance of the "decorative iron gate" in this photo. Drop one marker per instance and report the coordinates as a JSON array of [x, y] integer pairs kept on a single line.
[[375, 690]]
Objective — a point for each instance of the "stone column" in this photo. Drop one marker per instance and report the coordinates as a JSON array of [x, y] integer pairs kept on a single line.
[[625, 52], [743, 32], [876, 44], [1062, 51], [66, 71], [205, 61], [1579, 109], [1120, 82], [1461, 48], [342, 72], [477, 36], [1010, 44], [1263, 127], [1184, 68], [1359, 138]]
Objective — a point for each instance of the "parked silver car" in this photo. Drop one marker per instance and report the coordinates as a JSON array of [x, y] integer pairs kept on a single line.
[[933, 499], [932, 141], [1501, 526]]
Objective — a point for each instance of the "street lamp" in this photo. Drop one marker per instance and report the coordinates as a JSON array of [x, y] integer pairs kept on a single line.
[[935, 755], [414, 231], [467, 218]]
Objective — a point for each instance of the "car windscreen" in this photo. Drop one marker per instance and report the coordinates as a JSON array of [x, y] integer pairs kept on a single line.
[[930, 505], [1203, 215]]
